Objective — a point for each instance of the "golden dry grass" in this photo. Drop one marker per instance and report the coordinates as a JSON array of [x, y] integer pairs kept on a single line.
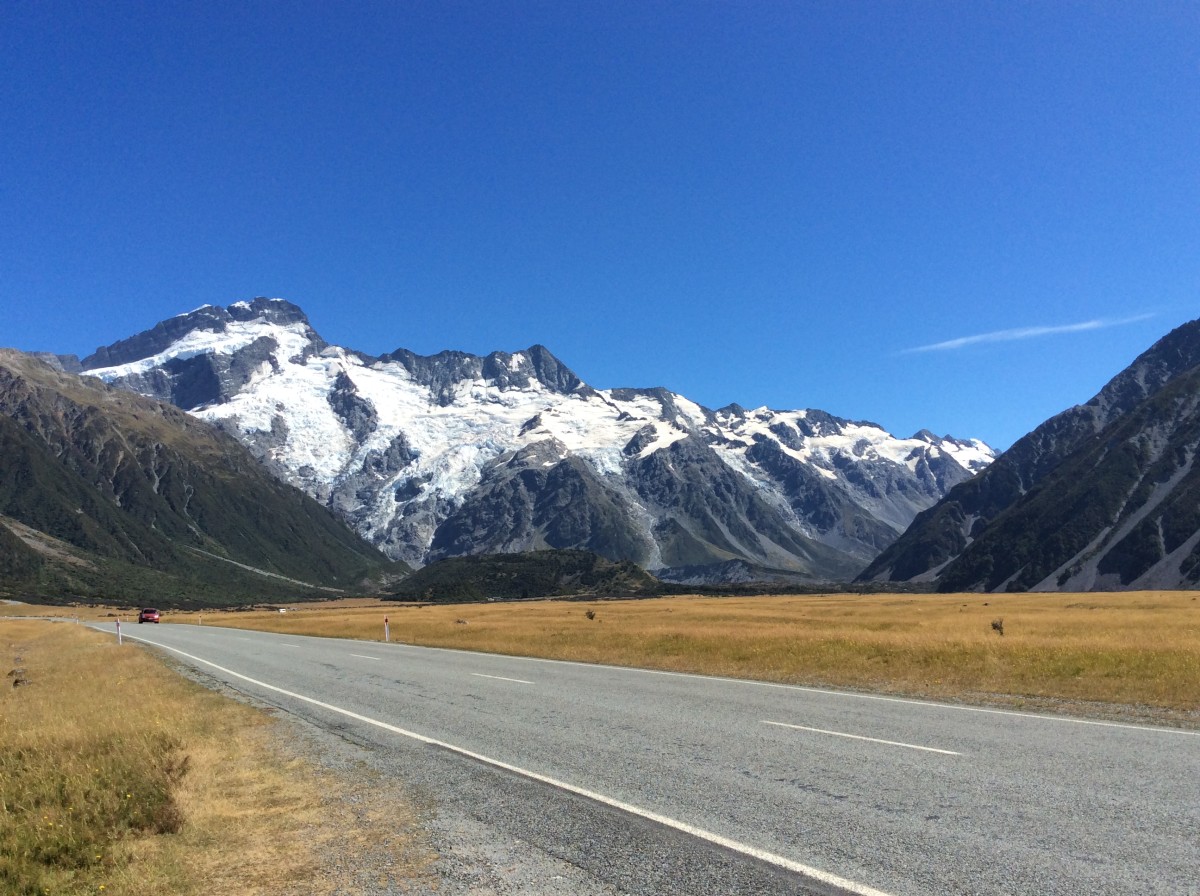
[[1131, 649], [86, 810]]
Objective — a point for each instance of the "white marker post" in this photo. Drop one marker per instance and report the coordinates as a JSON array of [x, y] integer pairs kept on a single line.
[[386, 634], [118, 632]]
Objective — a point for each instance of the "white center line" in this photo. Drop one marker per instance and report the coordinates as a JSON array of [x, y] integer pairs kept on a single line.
[[828, 692], [501, 678], [362, 657], [890, 743], [824, 877]]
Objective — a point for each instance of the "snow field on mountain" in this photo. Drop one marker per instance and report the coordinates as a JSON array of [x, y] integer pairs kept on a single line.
[[401, 443], [199, 342], [854, 439], [455, 442]]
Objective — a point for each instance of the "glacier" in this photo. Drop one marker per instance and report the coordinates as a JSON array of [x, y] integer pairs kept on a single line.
[[431, 455]]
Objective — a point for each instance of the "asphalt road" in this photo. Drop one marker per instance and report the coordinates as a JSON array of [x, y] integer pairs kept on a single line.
[[661, 783]]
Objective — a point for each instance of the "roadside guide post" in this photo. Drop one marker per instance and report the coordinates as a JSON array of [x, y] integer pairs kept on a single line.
[[386, 633], [118, 632]]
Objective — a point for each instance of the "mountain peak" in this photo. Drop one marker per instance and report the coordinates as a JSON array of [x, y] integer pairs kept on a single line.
[[536, 363], [276, 311], [209, 318]]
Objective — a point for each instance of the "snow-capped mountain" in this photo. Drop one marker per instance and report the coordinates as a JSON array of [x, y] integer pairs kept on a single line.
[[457, 454]]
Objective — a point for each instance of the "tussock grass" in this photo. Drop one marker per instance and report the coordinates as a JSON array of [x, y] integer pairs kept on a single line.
[[79, 774], [118, 776], [1131, 649]]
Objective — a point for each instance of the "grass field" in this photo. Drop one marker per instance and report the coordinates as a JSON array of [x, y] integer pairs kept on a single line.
[[1136, 652], [118, 776]]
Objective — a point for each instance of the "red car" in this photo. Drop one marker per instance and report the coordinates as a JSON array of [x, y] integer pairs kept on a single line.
[[148, 615]]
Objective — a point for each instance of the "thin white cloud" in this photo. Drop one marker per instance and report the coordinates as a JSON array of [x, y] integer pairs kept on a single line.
[[1025, 333]]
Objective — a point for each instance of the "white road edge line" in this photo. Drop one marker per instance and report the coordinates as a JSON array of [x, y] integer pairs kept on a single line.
[[501, 678], [363, 657], [754, 852], [876, 740]]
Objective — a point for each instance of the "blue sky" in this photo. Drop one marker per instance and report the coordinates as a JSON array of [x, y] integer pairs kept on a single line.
[[957, 216]]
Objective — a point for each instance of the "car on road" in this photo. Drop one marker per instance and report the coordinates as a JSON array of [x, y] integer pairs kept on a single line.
[[149, 614]]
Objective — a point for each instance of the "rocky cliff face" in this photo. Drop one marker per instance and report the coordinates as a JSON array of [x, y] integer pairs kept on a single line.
[[1100, 496], [454, 454]]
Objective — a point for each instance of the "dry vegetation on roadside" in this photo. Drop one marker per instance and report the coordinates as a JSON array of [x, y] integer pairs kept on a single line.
[[119, 776], [1137, 651]]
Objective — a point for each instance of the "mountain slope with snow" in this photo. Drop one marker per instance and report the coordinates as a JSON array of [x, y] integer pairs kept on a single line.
[[105, 493], [456, 454]]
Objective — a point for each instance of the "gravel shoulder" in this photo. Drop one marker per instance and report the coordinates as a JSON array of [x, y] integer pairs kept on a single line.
[[426, 821], [405, 836]]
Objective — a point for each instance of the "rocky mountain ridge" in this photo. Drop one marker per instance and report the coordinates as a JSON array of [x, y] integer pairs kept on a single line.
[[1104, 495], [456, 454]]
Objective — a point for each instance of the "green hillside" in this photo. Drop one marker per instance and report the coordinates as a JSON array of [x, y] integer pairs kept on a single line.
[[534, 574]]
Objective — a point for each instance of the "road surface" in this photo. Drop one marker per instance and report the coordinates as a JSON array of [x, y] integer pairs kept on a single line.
[[664, 783]]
